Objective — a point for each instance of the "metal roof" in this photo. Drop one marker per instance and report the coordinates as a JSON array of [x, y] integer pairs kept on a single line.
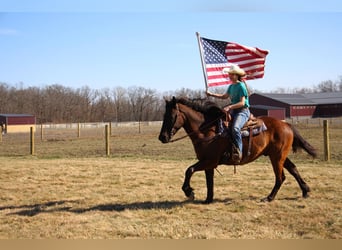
[[307, 99], [16, 115], [325, 98], [266, 107]]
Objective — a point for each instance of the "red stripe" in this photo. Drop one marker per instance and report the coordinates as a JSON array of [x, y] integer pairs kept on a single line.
[[232, 46], [218, 84], [211, 69], [250, 60], [255, 70], [250, 64]]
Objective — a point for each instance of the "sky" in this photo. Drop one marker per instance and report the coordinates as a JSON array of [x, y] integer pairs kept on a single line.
[[153, 44]]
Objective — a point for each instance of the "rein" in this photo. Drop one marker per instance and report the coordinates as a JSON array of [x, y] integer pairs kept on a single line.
[[193, 132]]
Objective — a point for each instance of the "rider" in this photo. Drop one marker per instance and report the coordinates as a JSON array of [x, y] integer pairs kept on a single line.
[[239, 107]]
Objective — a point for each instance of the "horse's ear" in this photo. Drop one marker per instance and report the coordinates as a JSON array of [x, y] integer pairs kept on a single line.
[[173, 100]]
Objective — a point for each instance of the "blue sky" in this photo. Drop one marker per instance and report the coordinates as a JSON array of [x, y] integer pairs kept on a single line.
[[153, 45]]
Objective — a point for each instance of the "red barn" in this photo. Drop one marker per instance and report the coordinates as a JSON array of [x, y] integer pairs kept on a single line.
[[327, 104], [263, 110], [14, 123]]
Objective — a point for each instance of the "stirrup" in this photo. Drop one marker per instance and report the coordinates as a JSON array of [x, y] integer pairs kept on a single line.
[[236, 156]]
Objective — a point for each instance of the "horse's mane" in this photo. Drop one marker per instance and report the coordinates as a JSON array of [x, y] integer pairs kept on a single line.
[[202, 105]]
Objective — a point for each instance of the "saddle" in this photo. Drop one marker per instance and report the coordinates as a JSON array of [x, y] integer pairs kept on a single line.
[[252, 127]]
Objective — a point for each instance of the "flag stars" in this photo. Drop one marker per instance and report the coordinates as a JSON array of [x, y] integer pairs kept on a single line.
[[214, 51]]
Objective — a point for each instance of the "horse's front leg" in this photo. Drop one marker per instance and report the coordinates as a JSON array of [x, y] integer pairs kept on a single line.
[[188, 190], [209, 176]]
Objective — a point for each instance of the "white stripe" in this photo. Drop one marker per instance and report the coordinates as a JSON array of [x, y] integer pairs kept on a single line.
[[218, 80], [217, 65], [214, 73], [238, 56], [254, 67], [241, 63]]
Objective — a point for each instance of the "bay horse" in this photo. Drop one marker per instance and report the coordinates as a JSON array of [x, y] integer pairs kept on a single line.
[[200, 123]]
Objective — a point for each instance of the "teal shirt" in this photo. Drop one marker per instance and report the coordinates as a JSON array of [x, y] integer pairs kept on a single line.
[[236, 91]]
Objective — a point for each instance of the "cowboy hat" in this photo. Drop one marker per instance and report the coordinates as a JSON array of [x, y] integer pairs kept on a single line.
[[234, 69]]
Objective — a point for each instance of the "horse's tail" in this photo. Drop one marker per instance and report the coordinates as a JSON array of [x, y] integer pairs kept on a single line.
[[300, 142]]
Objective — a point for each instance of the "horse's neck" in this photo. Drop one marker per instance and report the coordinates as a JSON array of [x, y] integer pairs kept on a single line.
[[193, 121]]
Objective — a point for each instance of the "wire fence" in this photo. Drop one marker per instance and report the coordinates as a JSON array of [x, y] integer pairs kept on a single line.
[[318, 122], [89, 139]]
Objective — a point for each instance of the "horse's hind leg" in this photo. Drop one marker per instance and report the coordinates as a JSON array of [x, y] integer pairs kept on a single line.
[[294, 172]]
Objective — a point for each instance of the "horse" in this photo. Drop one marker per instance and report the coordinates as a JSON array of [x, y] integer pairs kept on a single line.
[[200, 124]]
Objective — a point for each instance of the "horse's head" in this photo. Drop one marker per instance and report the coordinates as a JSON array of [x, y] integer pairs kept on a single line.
[[172, 121]]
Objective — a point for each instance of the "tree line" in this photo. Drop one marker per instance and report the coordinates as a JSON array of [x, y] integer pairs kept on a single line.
[[59, 104]]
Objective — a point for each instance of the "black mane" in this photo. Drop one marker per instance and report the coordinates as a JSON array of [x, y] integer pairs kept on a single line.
[[206, 107]]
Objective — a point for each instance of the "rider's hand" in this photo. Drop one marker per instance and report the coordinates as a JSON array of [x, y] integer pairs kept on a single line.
[[227, 108]]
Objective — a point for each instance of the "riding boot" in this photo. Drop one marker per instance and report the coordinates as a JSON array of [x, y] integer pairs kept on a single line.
[[236, 155]]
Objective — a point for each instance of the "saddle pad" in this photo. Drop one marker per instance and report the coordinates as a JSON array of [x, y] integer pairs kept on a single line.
[[255, 130]]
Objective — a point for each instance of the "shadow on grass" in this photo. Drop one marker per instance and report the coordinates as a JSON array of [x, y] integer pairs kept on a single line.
[[66, 206], [34, 209]]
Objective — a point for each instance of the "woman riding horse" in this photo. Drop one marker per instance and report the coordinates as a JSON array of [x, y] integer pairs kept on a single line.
[[200, 125], [239, 106]]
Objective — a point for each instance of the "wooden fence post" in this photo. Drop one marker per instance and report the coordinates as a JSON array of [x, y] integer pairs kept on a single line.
[[78, 130], [31, 141], [41, 131], [326, 140], [107, 139]]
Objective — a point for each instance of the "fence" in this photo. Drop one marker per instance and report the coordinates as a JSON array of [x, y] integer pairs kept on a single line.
[[99, 138], [335, 121], [57, 140]]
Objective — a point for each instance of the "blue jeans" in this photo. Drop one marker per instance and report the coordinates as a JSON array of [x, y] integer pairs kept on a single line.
[[239, 119]]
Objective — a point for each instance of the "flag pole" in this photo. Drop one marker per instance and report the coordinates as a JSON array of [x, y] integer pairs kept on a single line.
[[202, 60]]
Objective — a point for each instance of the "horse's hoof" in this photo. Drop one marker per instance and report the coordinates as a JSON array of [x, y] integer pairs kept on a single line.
[[206, 202], [266, 199], [306, 195], [191, 196], [188, 191]]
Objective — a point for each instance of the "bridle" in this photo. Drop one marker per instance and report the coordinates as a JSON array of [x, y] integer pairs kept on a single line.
[[175, 129]]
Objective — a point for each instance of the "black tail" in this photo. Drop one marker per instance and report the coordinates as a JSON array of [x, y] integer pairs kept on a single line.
[[300, 142]]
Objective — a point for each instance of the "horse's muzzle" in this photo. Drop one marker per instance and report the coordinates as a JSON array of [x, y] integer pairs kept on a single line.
[[164, 138]]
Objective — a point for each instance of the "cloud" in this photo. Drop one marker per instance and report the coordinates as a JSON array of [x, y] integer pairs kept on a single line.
[[8, 32]]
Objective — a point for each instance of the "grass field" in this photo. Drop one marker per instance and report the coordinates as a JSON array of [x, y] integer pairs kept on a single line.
[[71, 190]]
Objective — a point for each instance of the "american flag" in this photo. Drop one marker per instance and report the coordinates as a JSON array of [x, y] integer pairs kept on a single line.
[[219, 54]]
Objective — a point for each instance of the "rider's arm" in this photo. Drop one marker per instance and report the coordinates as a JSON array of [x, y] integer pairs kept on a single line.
[[237, 105], [220, 96]]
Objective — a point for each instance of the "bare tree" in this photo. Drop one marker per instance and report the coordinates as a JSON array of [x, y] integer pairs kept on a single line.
[[119, 102], [326, 86], [5, 102], [141, 100]]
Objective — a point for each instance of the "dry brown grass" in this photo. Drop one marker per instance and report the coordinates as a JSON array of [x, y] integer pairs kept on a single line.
[[70, 190]]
